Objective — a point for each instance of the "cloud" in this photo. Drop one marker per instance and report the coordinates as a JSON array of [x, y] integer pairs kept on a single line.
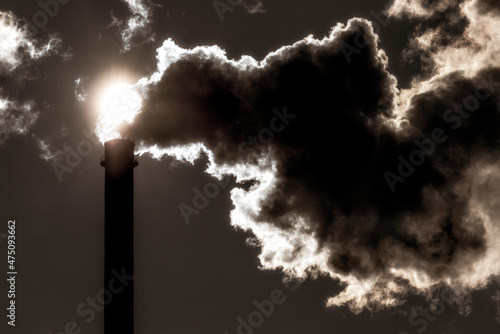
[[18, 48], [19, 51], [462, 30], [486, 6], [81, 90], [48, 153], [15, 118], [135, 30], [421, 8]]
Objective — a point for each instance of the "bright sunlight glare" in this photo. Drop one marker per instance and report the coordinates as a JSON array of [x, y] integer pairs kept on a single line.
[[118, 105]]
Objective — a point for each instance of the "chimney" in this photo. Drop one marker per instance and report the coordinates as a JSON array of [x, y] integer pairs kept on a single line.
[[119, 163]]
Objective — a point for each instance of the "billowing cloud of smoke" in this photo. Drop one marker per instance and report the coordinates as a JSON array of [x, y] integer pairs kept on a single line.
[[17, 52], [341, 174], [137, 28]]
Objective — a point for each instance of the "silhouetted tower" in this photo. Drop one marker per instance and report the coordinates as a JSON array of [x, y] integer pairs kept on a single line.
[[119, 163]]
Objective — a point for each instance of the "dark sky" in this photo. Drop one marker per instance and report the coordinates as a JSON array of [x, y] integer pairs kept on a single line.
[[322, 201]]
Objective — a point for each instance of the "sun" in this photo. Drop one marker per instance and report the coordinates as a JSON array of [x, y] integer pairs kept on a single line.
[[119, 102]]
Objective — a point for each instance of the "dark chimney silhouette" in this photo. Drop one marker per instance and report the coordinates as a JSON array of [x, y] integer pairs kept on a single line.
[[119, 163]]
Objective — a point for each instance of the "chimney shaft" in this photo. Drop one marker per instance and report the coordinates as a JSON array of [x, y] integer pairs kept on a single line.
[[119, 164]]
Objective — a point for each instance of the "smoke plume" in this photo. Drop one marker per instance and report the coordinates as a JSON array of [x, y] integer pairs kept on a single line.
[[340, 172]]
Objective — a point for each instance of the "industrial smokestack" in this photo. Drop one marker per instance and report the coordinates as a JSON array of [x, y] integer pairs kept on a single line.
[[119, 163]]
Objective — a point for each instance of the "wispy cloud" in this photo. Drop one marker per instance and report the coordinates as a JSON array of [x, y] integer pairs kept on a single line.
[[18, 48], [136, 29], [80, 90], [15, 118]]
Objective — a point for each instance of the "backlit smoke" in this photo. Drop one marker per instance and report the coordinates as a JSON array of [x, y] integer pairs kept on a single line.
[[342, 174]]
